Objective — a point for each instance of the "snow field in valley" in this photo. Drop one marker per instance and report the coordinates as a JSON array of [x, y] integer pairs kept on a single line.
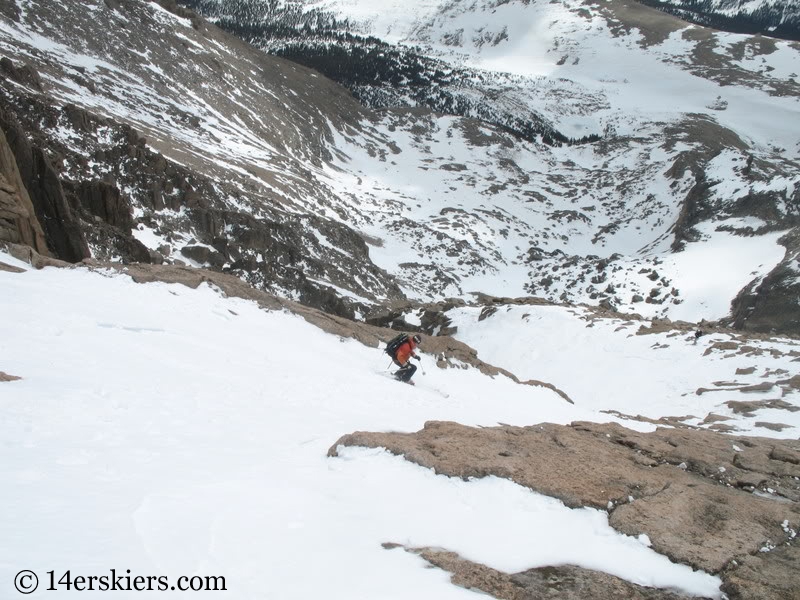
[[427, 195], [602, 365], [701, 274], [172, 431], [642, 81]]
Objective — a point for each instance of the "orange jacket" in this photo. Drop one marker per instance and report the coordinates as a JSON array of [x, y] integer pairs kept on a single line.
[[405, 351]]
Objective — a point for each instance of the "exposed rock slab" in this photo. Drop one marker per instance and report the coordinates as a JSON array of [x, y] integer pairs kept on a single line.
[[681, 487], [9, 268], [566, 582], [5, 377], [766, 575]]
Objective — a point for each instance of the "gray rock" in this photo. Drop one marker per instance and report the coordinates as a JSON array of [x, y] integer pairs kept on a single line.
[[204, 255]]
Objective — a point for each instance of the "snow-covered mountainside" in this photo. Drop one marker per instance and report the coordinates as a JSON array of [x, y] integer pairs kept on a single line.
[[188, 437], [699, 146], [175, 140], [259, 167]]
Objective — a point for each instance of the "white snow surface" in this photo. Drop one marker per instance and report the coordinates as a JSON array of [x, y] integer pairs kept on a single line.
[[603, 365], [176, 432]]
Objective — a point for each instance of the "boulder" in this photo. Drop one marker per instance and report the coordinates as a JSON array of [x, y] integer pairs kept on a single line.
[[25, 75], [204, 255]]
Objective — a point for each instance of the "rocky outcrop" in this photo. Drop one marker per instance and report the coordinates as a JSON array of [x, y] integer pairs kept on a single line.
[[689, 491], [104, 200], [204, 255], [62, 229], [694, 209], [564, 582], [5, 377], [24, 74], [30, 256], [18, 222], [433, 319]]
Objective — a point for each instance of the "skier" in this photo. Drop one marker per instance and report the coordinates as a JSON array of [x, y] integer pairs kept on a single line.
[[402, 358]]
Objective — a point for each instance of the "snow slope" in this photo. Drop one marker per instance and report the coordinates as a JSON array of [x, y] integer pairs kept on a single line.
[[174, 432], [602, 364]]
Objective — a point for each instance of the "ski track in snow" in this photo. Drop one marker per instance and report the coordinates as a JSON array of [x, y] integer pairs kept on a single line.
[[171, 431]]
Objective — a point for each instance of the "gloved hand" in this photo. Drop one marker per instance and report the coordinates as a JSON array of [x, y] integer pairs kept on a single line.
[[417, 358]]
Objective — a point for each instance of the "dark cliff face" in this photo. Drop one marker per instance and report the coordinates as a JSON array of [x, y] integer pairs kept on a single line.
[[42, 185]]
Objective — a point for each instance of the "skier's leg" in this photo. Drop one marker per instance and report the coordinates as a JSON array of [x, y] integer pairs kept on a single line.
[[408, 372], [400, 373]]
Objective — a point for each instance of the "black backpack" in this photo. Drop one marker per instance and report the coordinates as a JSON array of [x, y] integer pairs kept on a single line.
[[393, 344]]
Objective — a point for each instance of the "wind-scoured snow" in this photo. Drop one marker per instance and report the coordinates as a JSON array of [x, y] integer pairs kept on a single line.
[[173, 432], [504, 220]]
